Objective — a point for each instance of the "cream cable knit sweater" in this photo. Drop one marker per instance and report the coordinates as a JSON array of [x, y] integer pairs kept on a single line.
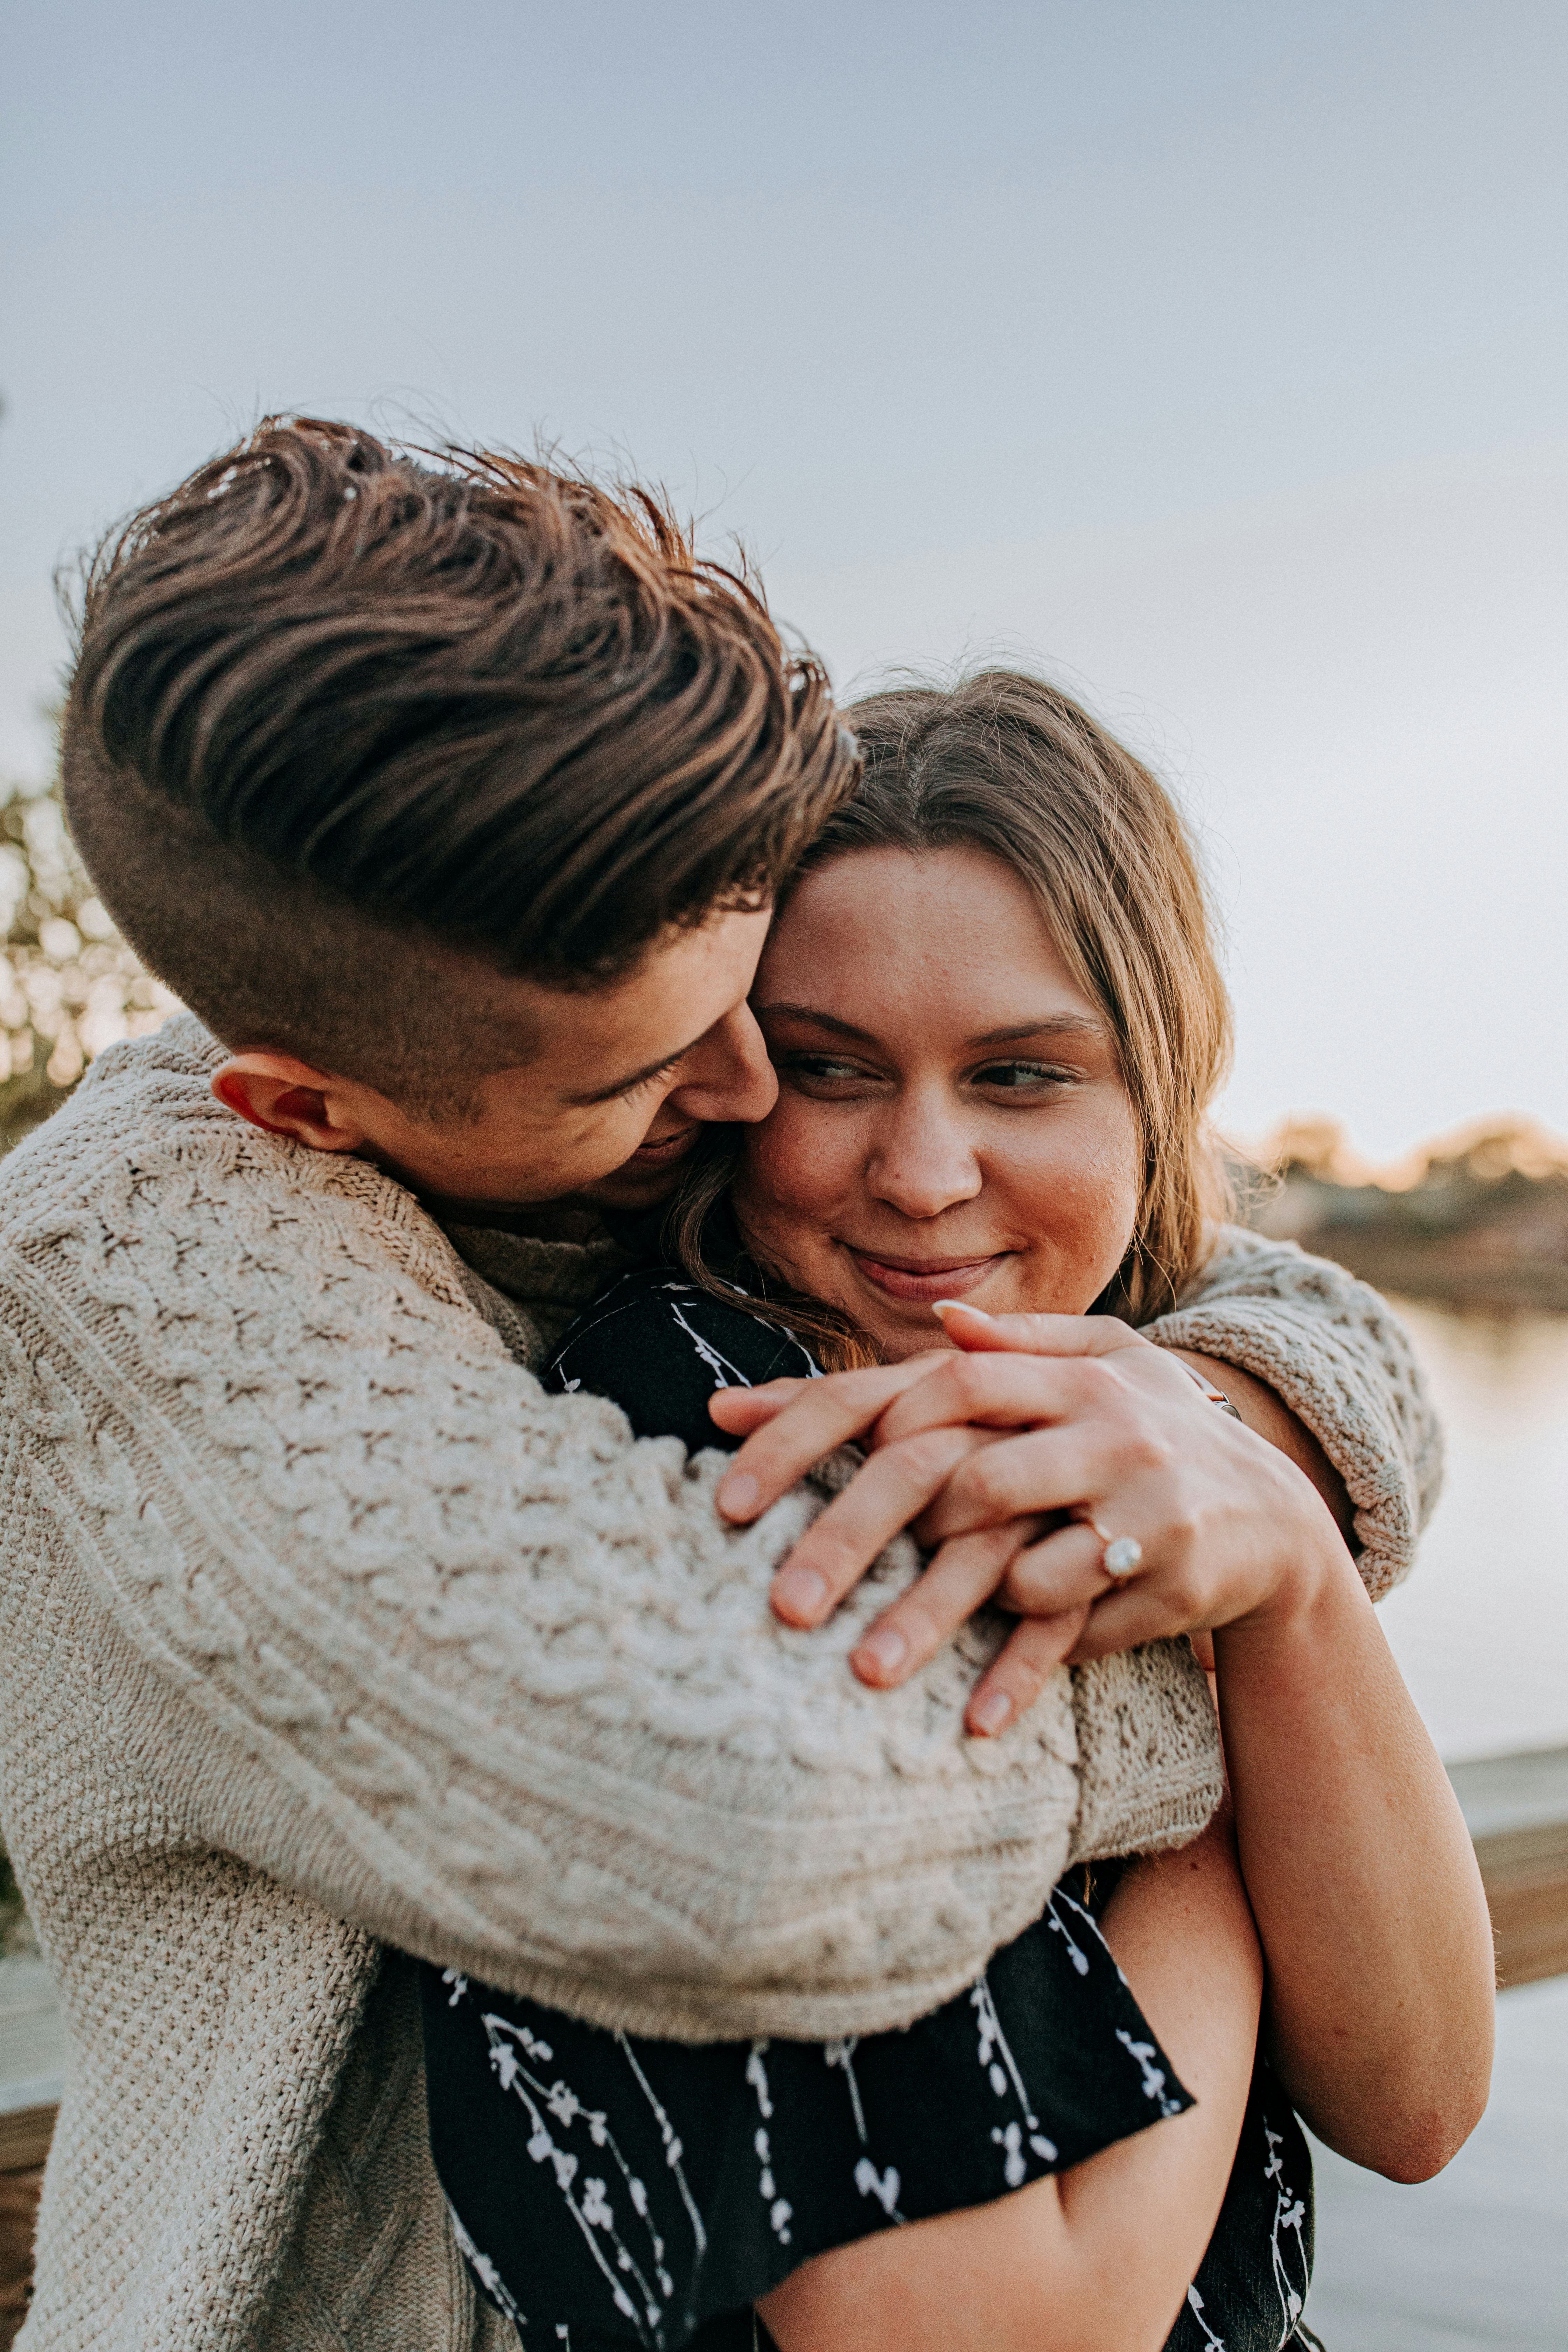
[[326, 1630]]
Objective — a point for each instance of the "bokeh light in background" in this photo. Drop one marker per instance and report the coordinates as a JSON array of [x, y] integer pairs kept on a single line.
[[1211, 356]]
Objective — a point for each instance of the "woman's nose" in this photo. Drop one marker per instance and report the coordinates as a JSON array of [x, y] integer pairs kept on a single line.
[[727, 1075], [923, 1164]]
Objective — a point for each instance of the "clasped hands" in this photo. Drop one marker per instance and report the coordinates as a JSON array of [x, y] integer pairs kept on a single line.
[[997, 1454]]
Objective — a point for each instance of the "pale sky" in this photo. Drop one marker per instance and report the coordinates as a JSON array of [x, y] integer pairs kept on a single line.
[[1212, 358]]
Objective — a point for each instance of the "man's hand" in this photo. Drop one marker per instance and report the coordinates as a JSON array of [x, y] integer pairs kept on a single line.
[[1000, 1453]]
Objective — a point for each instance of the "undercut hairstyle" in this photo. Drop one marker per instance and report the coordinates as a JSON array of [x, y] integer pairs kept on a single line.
[[1007, 764], [356, 735]]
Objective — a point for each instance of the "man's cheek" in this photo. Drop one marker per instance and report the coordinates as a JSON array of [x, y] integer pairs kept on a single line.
[[608, 1134]]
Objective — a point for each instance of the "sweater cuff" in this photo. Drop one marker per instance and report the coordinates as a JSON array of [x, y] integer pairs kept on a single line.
[[1351, 1395]]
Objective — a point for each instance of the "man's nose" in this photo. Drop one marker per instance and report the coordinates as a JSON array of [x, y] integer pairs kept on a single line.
[[923, 1162], [727, 1075]]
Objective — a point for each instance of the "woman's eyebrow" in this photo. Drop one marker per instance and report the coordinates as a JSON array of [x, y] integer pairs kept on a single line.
[[1054, 1024], [823, 1020], [1049, 1024]]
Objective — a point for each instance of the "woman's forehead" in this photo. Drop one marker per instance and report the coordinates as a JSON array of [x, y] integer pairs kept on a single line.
[[953, 931]]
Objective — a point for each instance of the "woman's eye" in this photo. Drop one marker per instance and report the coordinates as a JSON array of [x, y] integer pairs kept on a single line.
[[1022, 1077], [825, 1069]]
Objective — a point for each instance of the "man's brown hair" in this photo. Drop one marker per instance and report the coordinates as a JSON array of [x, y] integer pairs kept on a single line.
[[346, 719]]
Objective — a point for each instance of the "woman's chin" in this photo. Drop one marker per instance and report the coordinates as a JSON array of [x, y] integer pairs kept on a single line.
[[902, 1329], [896, 1347], [899, 1329]]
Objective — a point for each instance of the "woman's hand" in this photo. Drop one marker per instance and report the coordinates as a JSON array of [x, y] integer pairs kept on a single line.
[[1001, 1458]]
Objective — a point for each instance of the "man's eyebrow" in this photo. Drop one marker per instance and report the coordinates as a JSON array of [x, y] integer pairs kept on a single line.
[[623, 1085], [1050, 1024]]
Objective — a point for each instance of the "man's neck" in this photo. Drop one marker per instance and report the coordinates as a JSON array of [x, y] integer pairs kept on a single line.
[[540, 1220], [573, 1220]]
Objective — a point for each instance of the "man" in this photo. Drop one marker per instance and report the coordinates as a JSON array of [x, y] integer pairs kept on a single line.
[[451, 799]]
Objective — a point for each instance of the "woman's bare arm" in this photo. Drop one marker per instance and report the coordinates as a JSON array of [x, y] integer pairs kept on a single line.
[[1366, 1885], [1405, 1916], [1097, 2259], [1369, 1901]]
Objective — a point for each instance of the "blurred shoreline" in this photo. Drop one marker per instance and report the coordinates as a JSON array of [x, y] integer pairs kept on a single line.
[[1476, 1221]]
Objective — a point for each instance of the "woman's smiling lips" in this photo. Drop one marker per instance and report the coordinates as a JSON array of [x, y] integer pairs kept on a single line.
[[922, 1280]]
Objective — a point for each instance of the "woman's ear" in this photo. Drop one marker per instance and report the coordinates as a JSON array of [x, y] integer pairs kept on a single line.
[[284, 1097]]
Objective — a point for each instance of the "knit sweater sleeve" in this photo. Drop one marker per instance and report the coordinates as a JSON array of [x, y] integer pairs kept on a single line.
[[1338, 1355], [353, 1601]]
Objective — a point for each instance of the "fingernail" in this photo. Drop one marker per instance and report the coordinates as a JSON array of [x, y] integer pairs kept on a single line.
[[739, 1496], [885, 1650], [940, 1305], [799, 1593], [991, 1712]]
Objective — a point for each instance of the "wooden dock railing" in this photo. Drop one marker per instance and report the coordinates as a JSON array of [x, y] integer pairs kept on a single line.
[[1516, 1808]]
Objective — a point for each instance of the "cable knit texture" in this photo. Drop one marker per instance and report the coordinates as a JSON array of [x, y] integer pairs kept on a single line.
[[1342, 1360], [327, 1631]]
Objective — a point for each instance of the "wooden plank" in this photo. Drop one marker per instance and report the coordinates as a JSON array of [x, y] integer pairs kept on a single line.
[[1517, 1810], [18, 2213], [1525, 1874], [25, 2137]]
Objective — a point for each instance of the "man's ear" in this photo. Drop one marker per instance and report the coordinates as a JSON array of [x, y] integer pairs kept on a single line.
[[289, 1097]]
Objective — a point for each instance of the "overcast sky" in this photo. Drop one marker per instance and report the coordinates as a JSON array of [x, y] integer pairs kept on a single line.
[[1213, 357]]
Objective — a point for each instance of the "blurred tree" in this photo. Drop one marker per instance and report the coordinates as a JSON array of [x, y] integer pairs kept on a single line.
[[68, 984]]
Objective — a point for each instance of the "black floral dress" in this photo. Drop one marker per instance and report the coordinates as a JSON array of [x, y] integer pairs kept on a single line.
[[608, 2191]]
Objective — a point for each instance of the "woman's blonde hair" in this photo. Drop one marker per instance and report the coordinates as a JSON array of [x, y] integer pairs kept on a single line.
[[1004, 763]]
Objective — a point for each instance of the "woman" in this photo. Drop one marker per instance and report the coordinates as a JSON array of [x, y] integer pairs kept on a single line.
[[997, 1022]]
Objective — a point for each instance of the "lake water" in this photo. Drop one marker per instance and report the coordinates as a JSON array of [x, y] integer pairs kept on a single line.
[[1472, 2261], [1480, 1629]]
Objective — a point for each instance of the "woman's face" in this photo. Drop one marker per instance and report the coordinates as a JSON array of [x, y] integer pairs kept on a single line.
[[951, 1122]]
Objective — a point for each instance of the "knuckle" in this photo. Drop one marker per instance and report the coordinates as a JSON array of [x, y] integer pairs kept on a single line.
[[827, 1547], [919, 1624], [1003, 1544], [1023, 1590], [986, 1481], [1099, 1382], [970, 1382], [1180, 1521], [927, 1456], [1024, 1675], [1036, 1568], [1182, 1530]]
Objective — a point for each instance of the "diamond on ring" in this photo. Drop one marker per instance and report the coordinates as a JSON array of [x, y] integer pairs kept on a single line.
[[1123, 1554]]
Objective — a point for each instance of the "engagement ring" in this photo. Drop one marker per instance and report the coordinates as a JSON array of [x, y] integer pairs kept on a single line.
[[1124, 1555]]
